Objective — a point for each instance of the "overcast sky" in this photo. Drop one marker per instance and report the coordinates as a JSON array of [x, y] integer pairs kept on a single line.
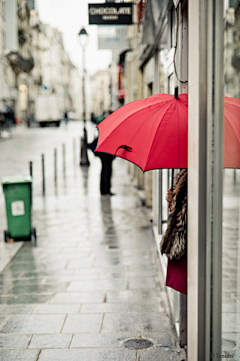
[[69, 16]]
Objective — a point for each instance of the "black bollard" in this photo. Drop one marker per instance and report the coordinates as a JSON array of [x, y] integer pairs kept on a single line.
[[43, 175], [64, 159], [74, 151], [55, 166], [84, 152], [31, 169]]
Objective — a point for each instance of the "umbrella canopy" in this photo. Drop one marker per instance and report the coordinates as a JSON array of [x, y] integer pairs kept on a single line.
[[231, 157], [153, 132]]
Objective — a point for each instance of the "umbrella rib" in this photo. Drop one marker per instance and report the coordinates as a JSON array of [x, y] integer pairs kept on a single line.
[[158, 128]]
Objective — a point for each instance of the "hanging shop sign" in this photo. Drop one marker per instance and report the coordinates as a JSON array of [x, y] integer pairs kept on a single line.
[[112, 37], [110, 14]]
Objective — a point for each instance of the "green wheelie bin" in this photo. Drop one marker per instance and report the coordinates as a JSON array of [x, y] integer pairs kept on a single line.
[[18, 200]]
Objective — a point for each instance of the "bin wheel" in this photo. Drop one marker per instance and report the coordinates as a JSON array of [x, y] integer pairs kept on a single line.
[[6, 236]]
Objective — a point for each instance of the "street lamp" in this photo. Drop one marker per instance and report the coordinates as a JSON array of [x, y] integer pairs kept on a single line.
[[83, 38]]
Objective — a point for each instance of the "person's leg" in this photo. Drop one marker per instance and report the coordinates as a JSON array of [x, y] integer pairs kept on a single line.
[[103, 178], [106, 173]]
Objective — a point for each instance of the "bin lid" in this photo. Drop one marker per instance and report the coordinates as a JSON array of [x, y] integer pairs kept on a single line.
[[16, 179]]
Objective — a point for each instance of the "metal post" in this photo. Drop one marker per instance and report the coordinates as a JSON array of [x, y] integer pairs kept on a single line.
[[74, 151], [43, 175], [205, 158], [183, 88], [31, 168], [235, 176], [55, 166], [84, 155], [64, 159]]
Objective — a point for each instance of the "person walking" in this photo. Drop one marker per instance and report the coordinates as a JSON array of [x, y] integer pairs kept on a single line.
[[106, 161], [174, 241], [66, 118]]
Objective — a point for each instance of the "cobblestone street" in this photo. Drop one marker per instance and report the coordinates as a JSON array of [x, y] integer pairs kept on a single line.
[[93, 280]]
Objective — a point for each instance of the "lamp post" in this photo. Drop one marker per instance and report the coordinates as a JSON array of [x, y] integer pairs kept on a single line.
[[83, 37]]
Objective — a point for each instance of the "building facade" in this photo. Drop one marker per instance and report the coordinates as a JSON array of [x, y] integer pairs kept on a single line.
[[195, 45], [34, 63], [100, 92]]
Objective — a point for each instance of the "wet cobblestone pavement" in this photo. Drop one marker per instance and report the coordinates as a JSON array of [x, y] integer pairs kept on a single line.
[[92, 281]]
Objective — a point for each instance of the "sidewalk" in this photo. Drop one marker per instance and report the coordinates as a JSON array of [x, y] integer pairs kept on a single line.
[[91, 283]]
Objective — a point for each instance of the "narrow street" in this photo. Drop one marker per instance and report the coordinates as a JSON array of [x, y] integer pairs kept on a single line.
[[93, 281]]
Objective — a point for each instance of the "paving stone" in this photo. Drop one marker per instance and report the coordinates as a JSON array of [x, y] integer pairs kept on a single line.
[[27, 324], [15, 309], [19, 355], [5, 289], [86, 272], [83, 323], [230, 322], [39, 288], [50, 341], [138, 322], [87, 355], [116, 284], [47, 273], [132, 296], [20, 267], [80, 264], [8, 275], [138, 267], [78, 297], [160, 339], [161, 353], [230, 307], [232, 336], [69, 278], [141, 283], [103, 340], [14, 341], [118, 307], [21, 299], [27, 281], [40, 267], [56, 309], [4, 299]]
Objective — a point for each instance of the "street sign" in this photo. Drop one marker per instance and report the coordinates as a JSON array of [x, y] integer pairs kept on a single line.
[[112, 37], [110, 14]]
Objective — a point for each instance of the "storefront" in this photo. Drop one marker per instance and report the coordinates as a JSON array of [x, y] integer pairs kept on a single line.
[[206, 66]]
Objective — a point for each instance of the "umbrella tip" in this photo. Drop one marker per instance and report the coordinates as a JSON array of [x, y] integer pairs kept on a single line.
[[176, 92]]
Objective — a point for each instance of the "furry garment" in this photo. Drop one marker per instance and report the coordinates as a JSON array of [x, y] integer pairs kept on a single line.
[[174, 241]]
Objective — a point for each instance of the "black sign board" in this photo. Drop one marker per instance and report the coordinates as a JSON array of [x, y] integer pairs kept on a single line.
[[110, 14]]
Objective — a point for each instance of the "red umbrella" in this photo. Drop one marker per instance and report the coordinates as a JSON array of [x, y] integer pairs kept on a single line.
[[152, 132], [231, 132]]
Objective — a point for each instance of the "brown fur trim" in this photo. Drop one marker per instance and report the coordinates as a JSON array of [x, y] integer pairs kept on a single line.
[[174, 241]]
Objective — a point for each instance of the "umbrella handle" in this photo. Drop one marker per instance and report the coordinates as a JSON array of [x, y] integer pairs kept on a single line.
[[176, 92], [125, 147]]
